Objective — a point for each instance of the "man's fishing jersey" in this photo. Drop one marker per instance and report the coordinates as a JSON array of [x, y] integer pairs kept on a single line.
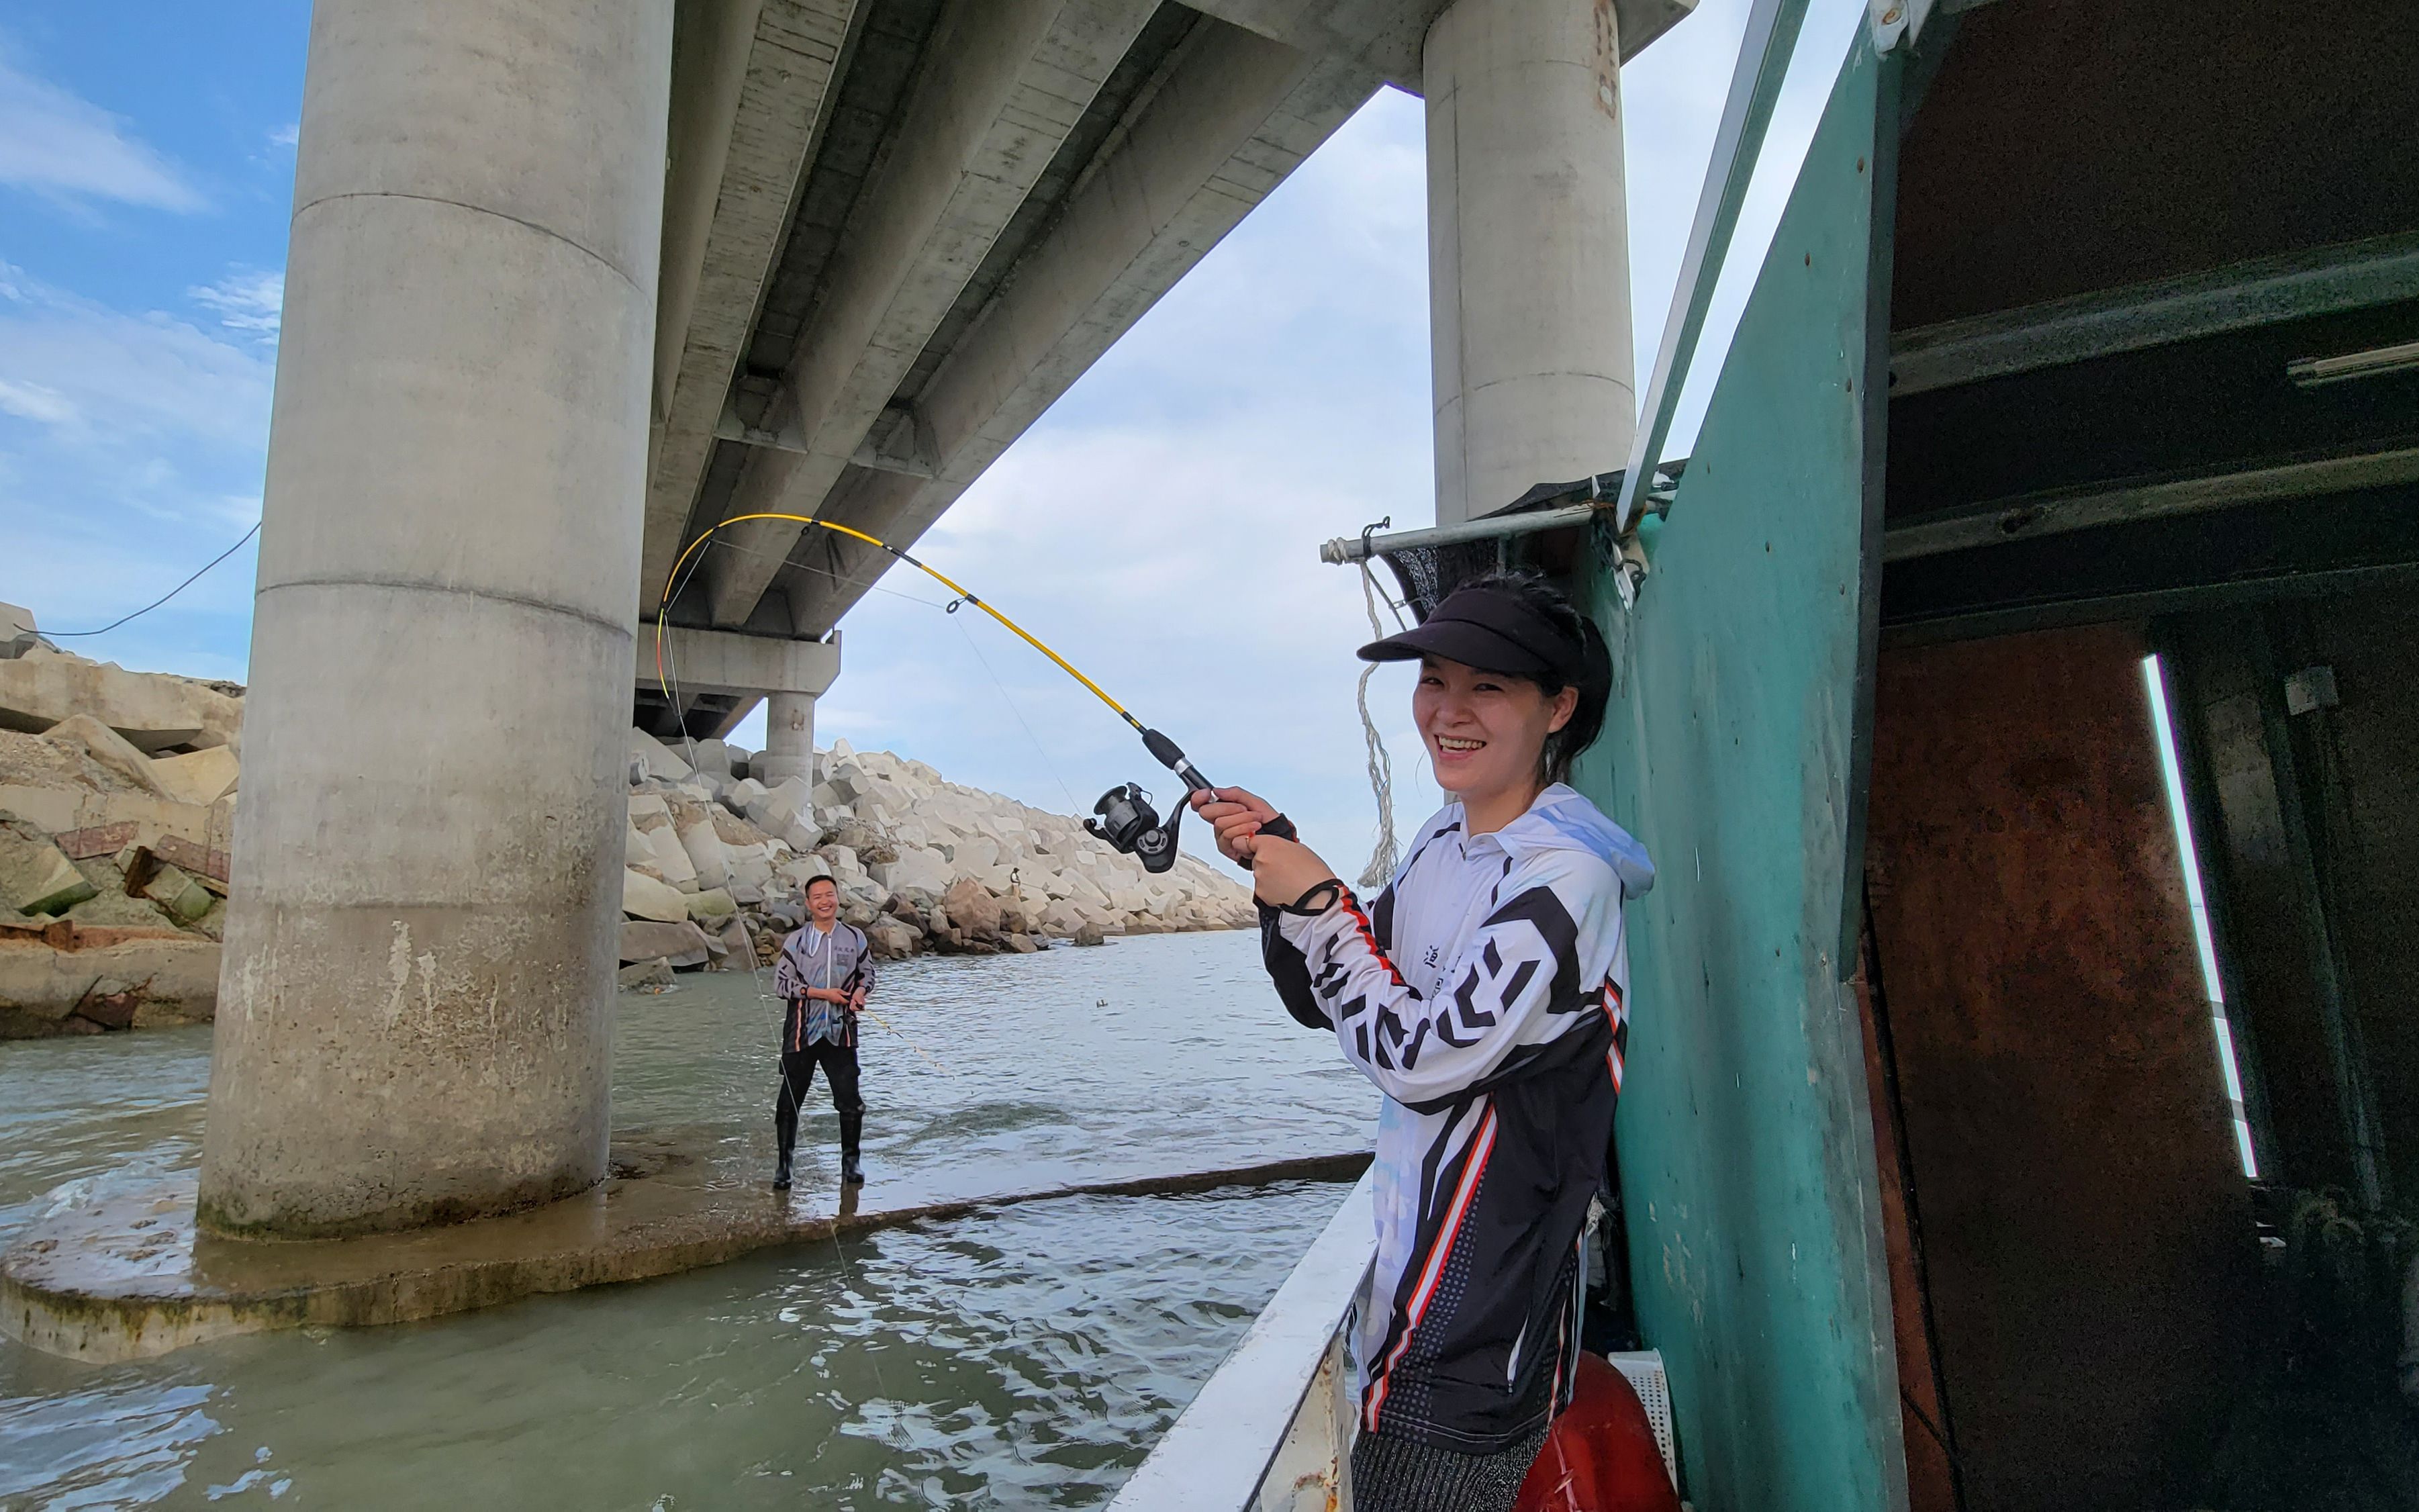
[[811, 958], [1484, 995]]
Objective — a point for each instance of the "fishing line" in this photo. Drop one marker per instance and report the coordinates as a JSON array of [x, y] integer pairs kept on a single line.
[[1126, 819], [1038, 748]]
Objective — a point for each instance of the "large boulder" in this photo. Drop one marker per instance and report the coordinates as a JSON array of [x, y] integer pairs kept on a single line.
[[972, 908], [892, 938], [644, 897], [739, 949], [647, 977], [711, 907], [871, 847], [681, 943]]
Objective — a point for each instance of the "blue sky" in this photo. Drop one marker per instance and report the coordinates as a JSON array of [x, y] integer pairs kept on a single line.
[[1160, 524]]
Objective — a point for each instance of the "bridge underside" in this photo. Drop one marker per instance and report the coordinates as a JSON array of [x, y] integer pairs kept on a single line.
[[895, 231]]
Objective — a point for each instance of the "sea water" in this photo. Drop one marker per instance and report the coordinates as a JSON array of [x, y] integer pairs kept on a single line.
[[1026, 1356]]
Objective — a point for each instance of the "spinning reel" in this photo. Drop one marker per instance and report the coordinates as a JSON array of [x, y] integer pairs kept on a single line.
[[1128, 823]]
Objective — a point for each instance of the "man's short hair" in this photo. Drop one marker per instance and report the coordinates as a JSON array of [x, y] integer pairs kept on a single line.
[[827, 879]]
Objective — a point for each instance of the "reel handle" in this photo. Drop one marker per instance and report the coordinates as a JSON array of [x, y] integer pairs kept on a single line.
[[1172, 757]]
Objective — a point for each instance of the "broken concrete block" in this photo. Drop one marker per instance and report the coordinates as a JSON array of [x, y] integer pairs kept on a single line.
[[681, 942], [644, 897], [917, 869], [48, 989], [710, 757], [658, 758], [35, 878], [201, 776], [17, 634], [152, 710], [705, 852], [635, 849], [102, 840], [83, 732], [672, 860], [711, 904], [202, 861], [646, 806], [177, 891]]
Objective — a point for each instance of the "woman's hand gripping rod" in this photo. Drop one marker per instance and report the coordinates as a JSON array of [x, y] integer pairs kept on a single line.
[[1128, 823]]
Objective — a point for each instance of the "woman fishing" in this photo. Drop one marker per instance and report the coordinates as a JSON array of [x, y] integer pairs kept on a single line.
[[1482, 992]]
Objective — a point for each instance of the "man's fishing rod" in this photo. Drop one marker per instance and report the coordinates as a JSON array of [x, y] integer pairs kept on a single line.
[[1126, 818]]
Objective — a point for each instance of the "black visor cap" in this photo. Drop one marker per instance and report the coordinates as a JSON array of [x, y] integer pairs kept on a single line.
[[1491, 631]]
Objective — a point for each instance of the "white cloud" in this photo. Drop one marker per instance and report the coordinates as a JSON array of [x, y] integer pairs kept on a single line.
[[246, 299], [35, 402], [286, 135], [54, 143], [93, 369], [136, 442], [1159, 525]]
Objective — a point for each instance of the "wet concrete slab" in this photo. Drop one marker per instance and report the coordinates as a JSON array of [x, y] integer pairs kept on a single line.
[[125, 1275]]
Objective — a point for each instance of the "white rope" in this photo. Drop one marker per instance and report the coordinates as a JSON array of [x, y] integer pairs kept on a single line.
[[1380, 869]]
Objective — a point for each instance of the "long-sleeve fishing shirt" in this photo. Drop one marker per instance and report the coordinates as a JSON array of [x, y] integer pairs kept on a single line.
[[811, 958], [1484, 993]]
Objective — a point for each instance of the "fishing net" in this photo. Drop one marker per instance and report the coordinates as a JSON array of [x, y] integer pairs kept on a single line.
[[1428, 573]]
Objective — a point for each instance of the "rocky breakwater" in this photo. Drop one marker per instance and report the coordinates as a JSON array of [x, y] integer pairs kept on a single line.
[[116, 798], [718, 864], [117, 795]]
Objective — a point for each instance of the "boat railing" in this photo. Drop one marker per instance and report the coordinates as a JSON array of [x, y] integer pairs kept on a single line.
[[1271, 1430]]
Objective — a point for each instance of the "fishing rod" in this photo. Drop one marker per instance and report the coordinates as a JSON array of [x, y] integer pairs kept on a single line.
[[1125, 818]]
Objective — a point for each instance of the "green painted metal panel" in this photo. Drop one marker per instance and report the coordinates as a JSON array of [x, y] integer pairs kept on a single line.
[[1735, 748]]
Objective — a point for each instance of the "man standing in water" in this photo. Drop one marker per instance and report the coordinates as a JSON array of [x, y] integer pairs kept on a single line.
[[825, 975]]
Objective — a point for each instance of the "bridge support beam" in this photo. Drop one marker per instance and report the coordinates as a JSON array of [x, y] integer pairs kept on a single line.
[[1528, 249], [415, 1010]]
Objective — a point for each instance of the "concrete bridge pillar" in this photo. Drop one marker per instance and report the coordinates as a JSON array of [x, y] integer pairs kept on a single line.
[[415, 1010], [1528, 249], [789, 738]]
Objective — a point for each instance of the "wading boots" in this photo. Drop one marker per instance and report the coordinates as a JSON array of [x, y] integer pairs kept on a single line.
[[852, 1125]]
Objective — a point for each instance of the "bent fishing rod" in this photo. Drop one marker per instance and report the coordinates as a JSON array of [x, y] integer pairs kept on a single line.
[[1125, 817]]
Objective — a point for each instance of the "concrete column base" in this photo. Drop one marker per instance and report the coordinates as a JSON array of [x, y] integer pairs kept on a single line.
[[789, 739]]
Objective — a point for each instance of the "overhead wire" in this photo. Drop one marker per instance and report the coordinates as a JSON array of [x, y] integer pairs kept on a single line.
[[63, 635]]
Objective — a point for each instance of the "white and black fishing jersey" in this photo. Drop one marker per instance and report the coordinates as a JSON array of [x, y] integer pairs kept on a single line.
[[1483, 993]]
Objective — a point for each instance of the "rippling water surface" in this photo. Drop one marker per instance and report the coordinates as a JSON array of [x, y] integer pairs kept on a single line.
[[1025, 1357]]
